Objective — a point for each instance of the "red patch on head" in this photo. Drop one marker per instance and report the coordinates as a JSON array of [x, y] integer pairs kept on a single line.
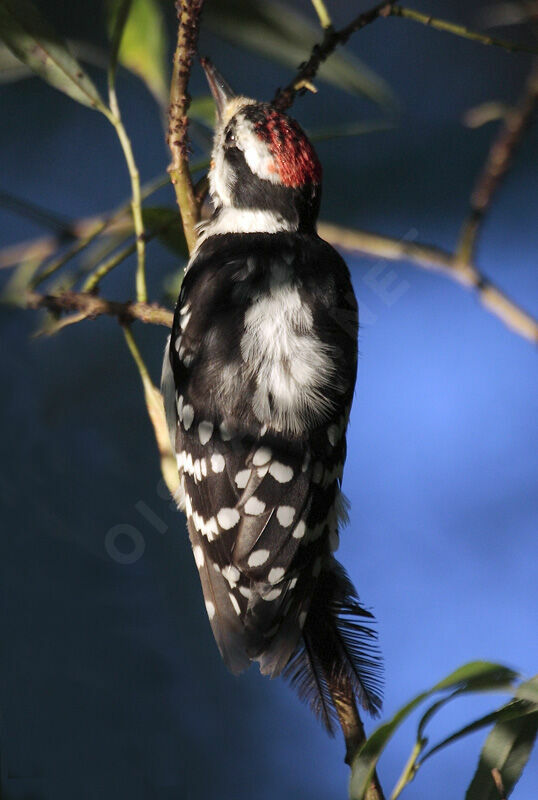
[[295, 159]]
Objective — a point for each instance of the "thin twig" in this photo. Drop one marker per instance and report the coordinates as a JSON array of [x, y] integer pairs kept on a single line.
[[136, 206], [499, 160], [92, 281], [188, 14], [333, 38], [460, 30], [433, 258], [125, 142], [94, 306], [320, 52]]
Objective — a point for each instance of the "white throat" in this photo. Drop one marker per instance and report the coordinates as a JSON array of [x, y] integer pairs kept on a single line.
[[242, 220]]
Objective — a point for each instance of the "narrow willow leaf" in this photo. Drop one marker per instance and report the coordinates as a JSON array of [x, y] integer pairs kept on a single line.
[[155, 407], [12, 69], [470, 677], [31, 39], [509, 711], [528, 690], [143, 48], [506, 749], [165, 224], [275, 31], [478, 675], [14, 291], [495, 679]]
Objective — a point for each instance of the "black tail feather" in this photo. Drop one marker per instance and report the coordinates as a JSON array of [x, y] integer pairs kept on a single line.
[[307, 677], [336, 652]]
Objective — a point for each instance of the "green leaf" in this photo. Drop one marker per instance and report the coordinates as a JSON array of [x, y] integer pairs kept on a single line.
[[528, 690], [509, 711], [165, 223], [275, 31], [506, 749], [31, 39], [11, 69], [143, 48], [477, 675]]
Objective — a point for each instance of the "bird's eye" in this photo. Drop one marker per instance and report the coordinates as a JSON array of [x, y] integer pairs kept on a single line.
[[229, 139]]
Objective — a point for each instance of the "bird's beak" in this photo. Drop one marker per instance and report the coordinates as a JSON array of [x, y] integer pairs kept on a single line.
[[220, 89]]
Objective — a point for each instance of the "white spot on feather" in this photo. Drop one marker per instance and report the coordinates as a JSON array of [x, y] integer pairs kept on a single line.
[[300, 530], [228, 517], [276, 574], [231, 574], [217, 462], [241, 479], [281, 472], [254, 506], [261, 456], [188, 416], [198, 556], [210, 608], [285, 515], [205, 431], [258, 557]]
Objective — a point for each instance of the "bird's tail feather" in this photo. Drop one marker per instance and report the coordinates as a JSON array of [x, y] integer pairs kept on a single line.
[[338, 658]]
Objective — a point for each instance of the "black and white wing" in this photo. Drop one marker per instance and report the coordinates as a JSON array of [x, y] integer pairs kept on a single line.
[[262, 505]]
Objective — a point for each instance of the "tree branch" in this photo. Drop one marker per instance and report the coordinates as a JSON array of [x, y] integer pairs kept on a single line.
[[460, 30], [433, 258], [499, 160], [332, 38], [93, 306], [357, 241], [188, 14], [284, 98]]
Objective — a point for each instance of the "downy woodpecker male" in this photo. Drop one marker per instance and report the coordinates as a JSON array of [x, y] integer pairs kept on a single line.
[[258, 380]]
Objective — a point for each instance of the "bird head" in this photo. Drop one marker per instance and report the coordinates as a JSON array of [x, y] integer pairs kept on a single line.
[[262, 162]]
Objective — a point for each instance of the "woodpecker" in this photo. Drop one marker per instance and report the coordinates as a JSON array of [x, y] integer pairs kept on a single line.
[[258, 379]]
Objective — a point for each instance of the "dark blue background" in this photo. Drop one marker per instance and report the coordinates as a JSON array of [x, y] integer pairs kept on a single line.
[[111, 683]]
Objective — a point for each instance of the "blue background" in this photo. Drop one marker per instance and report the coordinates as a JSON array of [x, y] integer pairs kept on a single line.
[[111, 683]]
